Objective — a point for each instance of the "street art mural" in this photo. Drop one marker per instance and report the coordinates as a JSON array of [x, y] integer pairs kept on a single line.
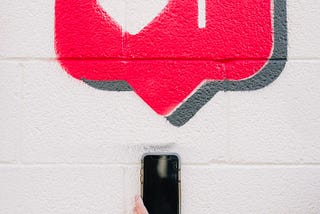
[[179, 54]]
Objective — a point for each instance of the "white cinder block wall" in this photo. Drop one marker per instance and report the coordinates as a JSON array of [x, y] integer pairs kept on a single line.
[[68, 148]]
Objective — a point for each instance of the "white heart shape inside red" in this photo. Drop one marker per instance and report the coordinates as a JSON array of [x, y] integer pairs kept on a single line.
[[133, 15]]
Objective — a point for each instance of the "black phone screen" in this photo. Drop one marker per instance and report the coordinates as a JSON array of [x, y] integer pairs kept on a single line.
[[161, 184]]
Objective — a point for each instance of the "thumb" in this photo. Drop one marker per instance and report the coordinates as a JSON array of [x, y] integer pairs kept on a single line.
[[139, 206]]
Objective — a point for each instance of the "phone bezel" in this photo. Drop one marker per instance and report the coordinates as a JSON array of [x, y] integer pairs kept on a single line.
[[162, 154]]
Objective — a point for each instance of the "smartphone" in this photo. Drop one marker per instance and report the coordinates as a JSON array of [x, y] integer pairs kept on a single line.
[[160, 183]]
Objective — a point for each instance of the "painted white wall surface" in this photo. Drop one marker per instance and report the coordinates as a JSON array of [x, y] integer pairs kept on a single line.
[[68, 148]]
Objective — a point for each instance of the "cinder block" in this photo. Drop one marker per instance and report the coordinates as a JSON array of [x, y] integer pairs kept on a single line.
[[10, 110], [280, 123], [303, 29], [132, 186], [65, 120], [61, 189], [27, 29], [246, 189], [232, 30], [18, 39], [241, 189]]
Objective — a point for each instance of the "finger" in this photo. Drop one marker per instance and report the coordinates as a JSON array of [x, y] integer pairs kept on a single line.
[[135, 211], [140, 206]]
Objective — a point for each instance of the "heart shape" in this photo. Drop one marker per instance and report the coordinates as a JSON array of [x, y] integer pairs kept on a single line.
[[167, 61], [132, 15]]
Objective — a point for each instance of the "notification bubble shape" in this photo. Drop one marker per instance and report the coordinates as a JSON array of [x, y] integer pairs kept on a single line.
[[174, 65]]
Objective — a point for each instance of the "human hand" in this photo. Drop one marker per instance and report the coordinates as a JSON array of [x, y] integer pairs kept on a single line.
[[139, 207]]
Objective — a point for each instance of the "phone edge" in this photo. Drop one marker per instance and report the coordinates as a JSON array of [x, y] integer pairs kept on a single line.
[[179, 172]]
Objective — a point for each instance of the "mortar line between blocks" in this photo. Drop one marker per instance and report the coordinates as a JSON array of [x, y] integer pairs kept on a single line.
[[153, 59], [222, 165]]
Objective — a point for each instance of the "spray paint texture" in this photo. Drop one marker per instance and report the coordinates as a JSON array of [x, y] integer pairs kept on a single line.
[[179, 55]]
